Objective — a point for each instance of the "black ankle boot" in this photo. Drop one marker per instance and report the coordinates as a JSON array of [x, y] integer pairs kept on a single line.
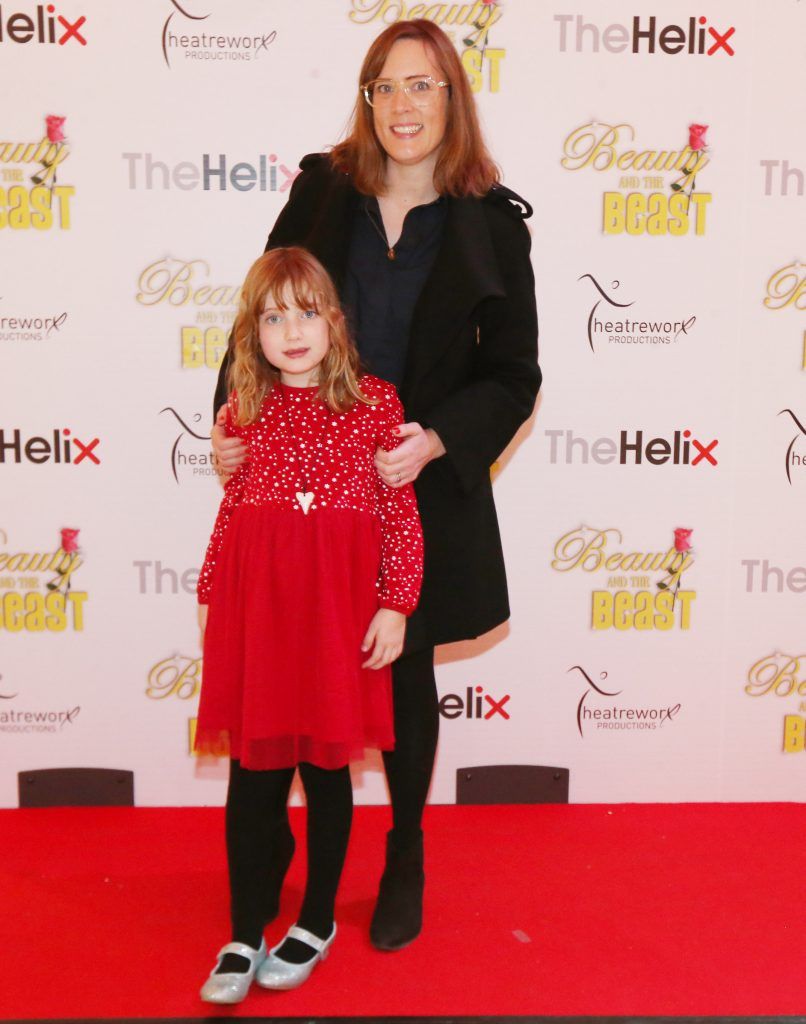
[[282, 855], [398, 915]]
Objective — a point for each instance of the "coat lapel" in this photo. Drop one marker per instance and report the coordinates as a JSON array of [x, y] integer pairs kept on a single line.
[[465, 272], [329, 236]]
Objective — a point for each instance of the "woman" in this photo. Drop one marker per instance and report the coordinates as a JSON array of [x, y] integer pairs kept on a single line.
[[431, 258]]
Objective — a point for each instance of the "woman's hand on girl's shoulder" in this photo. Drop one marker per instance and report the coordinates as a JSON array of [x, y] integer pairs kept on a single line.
[[384, 638], [230, 452]]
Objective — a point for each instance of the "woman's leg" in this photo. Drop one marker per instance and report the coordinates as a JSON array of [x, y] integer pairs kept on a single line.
[[398, 914], [329, 796], [259, 847]]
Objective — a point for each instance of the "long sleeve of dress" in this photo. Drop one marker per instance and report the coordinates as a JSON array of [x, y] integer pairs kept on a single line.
[[401, 532], [233, 495]]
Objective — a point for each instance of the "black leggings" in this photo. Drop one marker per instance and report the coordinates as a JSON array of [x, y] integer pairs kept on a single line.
[[257, 825], [257, 817]]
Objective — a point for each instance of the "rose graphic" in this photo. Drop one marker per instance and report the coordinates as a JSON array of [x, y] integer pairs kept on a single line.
[[682, 545], [479, 39], [697, 144], [53, 128], [69, 546], [696, 136], [69, 540]]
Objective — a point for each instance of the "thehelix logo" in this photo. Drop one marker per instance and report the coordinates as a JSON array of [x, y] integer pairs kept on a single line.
[[694, 38], [786, 289], [621, 330], [45, 27], [782, 675], [793, 459], [155, 578], [198, 463], [682, 449], [197, 42], [614, 717], [61, 446], [475, 704], [773, 577], [266, 174], [175, 283], [778, 175]]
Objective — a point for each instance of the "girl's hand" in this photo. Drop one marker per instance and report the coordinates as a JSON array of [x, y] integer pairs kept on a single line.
[[405, 463], [202, 613], [230, 452], [386, 632]]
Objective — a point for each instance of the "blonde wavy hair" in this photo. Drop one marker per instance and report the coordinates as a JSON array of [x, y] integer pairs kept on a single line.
[[286, 276]]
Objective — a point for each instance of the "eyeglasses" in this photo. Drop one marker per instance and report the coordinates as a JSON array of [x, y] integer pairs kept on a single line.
[[421, 90]]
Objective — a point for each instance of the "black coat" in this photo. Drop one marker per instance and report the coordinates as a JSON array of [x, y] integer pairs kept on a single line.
[[471, 374]]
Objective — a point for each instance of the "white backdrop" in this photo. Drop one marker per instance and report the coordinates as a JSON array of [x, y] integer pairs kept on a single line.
[[117, 292]]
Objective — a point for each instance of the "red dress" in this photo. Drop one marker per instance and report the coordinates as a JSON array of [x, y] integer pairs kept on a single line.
[[291, 594]]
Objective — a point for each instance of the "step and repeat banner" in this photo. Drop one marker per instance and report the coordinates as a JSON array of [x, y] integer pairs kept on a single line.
[[652, 510]]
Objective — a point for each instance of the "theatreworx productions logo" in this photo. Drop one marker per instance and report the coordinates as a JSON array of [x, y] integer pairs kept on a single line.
[[653, 191], [783, 675], [467, 25], [190, 36], [625, 330], [693, 36], [36, 588], [604, 714], [42, 24], [786, 289], [208, 310], [56, 446], [474, 703], [632, 447], [27, 721], [27, 327], [635, 589], [31, 197], [794, 459], [761, 577], [191, 454]]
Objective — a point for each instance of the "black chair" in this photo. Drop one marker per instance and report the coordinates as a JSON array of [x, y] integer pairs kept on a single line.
[[512, 784], [76, 787]]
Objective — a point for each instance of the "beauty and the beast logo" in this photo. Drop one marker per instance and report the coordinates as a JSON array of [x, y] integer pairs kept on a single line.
[[181, 284], [36, 588], [783, 675], [31, 194], [468, 25], [786, 289], [641, 589], [655, 190]]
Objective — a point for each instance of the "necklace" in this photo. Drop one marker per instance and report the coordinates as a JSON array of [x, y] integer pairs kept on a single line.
[[304, 496], [390, 249]]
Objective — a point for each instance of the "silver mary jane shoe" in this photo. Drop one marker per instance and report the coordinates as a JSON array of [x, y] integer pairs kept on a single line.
[[233, 986], [280, 974]]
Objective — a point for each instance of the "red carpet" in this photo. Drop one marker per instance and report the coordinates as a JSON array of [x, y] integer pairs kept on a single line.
[[648, 910]]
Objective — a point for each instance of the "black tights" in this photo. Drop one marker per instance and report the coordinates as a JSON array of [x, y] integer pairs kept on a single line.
[[257, 825], [409, 766], [257, 817]]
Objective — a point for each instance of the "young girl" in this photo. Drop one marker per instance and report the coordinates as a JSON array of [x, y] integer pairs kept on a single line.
[[312, 568]]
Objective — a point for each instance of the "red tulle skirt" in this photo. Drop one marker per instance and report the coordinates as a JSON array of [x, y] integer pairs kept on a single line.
[[292, 598]]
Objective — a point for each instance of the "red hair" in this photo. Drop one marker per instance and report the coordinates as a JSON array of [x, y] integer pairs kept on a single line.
[[283, 274], [464, 166]]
